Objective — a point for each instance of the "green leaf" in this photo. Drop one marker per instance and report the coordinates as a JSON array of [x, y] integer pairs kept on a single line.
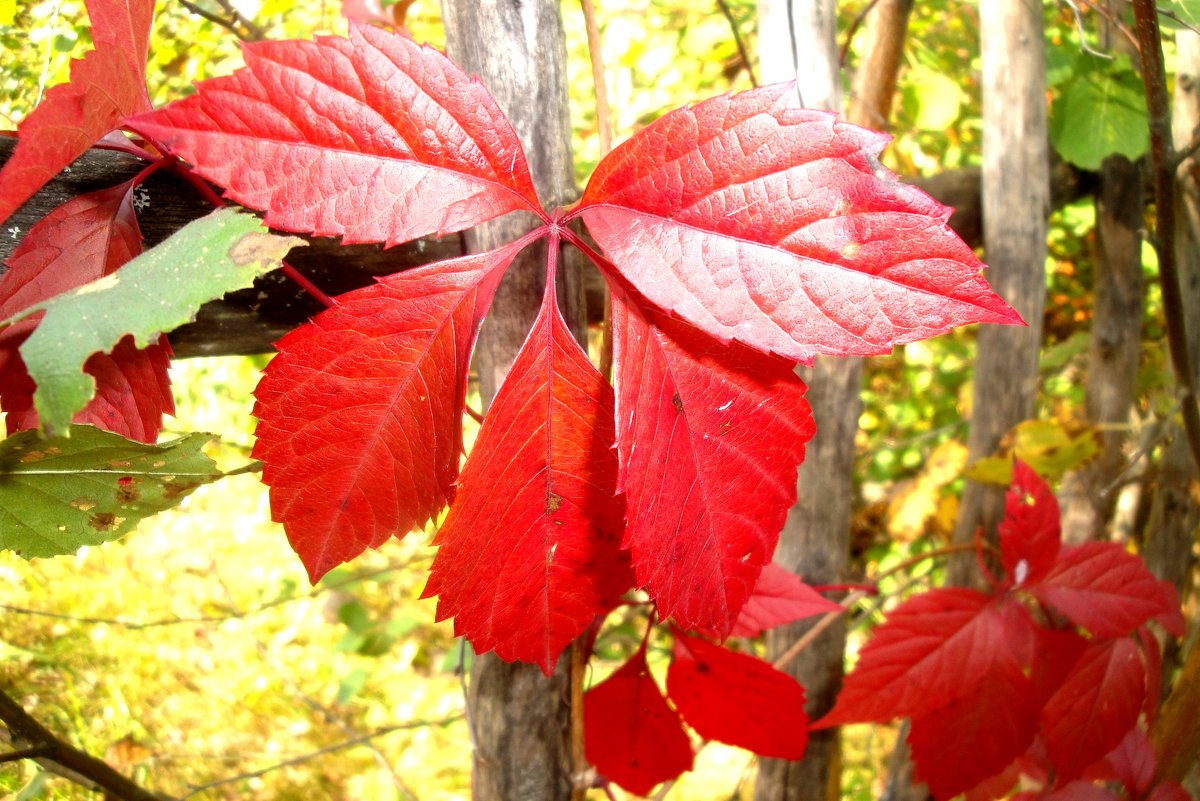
[[932, 100], [57, 495], [1186, 14], [1100, 111], [152, 294]]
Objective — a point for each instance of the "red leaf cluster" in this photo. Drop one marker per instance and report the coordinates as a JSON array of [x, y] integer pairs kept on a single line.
[[739, 236], [1053, 662]]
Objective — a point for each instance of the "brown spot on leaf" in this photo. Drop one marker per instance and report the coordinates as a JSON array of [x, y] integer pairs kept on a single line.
[[105, 521], [119, 464], [32, 456], [677, 402], [174, 489], [259, 248], [127, 491], [84, 504], [553, 502]]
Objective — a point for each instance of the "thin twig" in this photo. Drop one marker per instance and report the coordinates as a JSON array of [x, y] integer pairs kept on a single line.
[[1079, 28], [737, 40], [253, 32], [604, 126], [825, 622], [329, 749], [135, 625], [215, 19], [855, 24], [1159, 114]]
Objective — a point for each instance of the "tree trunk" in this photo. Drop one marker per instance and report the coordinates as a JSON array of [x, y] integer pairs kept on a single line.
[[1016, 201], [1087, 495], [815, 540], [521, 721]]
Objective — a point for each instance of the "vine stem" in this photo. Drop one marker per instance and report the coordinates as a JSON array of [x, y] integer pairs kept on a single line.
[[1161, 157]]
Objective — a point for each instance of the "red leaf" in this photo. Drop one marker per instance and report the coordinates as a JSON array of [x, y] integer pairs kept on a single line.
[[1073, 791], [737, 699], [84, 239], [934, 648], [1095, 707], [1056, 653], [106, 85], [997, 786], [1171, 619], [1103, 589], [1133, 763], [779, 597], [959, 745], [372, 138], [1152, 653], [1169, 791], [125, 25], [529, 553], [778, 227], [360, 414], [631, 734], [1030, 533], [133, 390], [732, 425]]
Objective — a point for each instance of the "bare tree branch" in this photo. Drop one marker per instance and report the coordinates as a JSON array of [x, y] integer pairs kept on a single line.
[[30, 735]]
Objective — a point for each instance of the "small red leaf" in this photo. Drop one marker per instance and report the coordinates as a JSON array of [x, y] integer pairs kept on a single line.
[[932, 649], [87, 237], [631, 734], [1030, 533], [1133, 763], [106, 85], [530, 551], [1169, 791], [1171, 619], [1103, 589], [777, 226], [360, 414], [372, 138], [732, 425], [957, 746], [737, 699], [1095, 707], [779, 597], [1152, 653]]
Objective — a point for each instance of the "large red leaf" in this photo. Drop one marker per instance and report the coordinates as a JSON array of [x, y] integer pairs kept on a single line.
[[1098, 586], [372, 138], [105, 85], [779, 597], [730, 424], [778, 227], [1095, 707], [737, 699], [1030, 532], [84, 239], [530, 551], [974, 737], [934, 648], [360, 414], [630, 733]]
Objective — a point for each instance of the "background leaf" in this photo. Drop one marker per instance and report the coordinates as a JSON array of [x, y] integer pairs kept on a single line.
[[154, 293], [106, 85], [59, 494], [1100, 111], [737, 699], [84, 239], [631, 734]]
